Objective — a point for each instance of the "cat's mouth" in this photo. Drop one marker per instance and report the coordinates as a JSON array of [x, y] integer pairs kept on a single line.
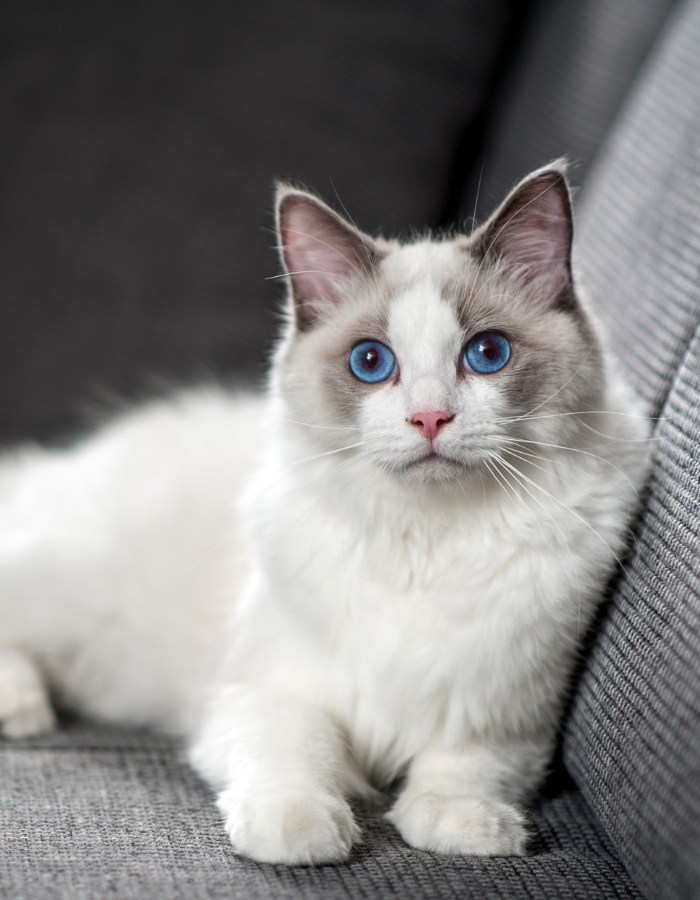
[[436, 464]]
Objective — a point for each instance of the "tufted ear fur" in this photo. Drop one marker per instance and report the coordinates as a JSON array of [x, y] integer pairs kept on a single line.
[[531, 234], [321, 253]]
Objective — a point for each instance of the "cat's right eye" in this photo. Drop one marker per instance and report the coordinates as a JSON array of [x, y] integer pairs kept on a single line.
[[372, 362]]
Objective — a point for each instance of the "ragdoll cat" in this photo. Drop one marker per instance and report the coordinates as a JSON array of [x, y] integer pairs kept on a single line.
[[384, 568]]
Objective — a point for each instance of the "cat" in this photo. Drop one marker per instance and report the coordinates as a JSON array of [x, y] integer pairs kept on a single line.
[[381, 570]]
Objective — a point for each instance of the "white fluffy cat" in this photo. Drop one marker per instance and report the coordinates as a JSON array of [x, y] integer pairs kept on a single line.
[[385, 568]]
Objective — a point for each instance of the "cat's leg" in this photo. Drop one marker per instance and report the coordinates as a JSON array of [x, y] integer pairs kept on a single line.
[[283, 772], [464, 801], [25, 708]]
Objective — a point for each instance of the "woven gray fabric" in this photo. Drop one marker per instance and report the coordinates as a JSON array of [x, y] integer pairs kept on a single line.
[[92, 812], [139, 143], [565, 90], [639, 241], [633, 741]]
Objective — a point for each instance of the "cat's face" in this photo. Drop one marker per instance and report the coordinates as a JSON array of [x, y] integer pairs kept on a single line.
[[432, 359]]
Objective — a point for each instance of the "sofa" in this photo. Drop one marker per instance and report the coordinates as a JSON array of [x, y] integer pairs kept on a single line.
[[138, 145]]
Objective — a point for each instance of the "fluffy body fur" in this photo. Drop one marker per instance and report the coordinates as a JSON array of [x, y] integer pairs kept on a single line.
[[318, 595]]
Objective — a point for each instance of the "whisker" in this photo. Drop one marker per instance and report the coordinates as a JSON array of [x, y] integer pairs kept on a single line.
[[301, 462], [478, 192], [508, 420], [588, 412], [301, 272], [368, 253], [337, 487], [285, 469], [496, 477], [518, 441], [324, 427], [498, 460], [200, 559], [618, 439], [528, 457], [521, 478], [353, 266], [573, 512], [508, 489]]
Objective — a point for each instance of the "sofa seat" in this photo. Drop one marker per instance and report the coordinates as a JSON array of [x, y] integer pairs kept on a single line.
[[93, 811]]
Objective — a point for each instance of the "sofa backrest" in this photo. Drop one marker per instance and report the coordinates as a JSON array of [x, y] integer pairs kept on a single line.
[[633, 739], [576, 63]]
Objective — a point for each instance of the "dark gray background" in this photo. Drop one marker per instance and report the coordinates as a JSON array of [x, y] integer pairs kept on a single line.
[[138, 145]]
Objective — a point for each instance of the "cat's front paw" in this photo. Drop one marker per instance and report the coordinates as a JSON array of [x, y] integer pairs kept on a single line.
[[25, 708], [460, 825], [291, 829]]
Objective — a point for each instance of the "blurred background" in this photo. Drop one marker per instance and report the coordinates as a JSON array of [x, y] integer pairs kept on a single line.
[[139, 142]]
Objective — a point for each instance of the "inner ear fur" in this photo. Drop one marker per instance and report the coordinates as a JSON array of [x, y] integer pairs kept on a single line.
[[531, 233]]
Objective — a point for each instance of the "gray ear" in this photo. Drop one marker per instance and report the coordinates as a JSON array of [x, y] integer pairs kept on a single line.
[[321, 253], [532, 231]]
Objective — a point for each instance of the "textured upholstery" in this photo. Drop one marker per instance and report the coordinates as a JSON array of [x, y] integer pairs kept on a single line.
[[565, 89], [139, 143], [94, 812], [633, 742], [639, 240], [634, 739]]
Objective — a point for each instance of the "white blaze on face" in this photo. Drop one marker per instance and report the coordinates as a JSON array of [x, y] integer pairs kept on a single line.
[[426, 338]]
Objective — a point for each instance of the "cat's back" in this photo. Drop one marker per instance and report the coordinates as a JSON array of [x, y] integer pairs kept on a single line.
[[131, 534], [195, 443]]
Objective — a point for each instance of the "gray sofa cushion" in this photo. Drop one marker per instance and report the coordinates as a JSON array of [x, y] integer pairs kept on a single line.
[[91, 812], [633, 741]]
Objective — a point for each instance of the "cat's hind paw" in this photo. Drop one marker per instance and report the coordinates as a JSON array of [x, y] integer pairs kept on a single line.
[[292, 829], [25, 708], [460, 826]]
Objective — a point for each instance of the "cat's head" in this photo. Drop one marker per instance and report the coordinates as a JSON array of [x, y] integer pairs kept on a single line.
[[430, 356]]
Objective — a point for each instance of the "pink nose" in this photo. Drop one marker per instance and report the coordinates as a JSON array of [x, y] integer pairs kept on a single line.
[[431, 422]]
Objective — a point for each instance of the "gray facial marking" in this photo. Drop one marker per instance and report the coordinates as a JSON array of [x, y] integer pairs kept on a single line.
[[316, 361]]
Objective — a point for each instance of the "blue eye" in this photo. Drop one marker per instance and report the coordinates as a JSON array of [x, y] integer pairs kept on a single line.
[[371, 362], [487, 352]]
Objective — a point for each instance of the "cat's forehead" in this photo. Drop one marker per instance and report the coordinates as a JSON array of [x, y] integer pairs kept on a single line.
[[426, 283], [437, 261]]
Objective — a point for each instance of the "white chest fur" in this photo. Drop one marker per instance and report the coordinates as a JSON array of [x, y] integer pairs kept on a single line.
[[414, 611]]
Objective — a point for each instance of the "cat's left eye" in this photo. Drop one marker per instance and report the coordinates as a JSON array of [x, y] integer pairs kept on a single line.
[[371, 362], [486, 353]]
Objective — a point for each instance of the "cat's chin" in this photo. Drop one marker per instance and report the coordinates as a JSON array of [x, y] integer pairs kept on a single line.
[[436, 467]]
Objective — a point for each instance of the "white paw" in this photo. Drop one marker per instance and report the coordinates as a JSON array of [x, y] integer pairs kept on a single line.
[[291, 829], [460, 825], [24, 704]]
